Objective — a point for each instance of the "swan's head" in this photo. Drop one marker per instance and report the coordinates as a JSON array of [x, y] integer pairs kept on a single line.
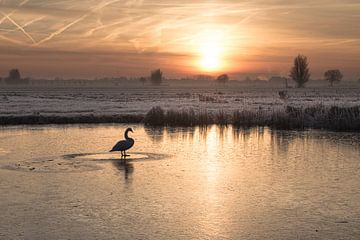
[[129, 130]]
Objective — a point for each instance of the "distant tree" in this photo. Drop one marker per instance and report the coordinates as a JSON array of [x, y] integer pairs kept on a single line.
[[223, 78], [300, 72], [143, 80], [15, 78], [333, 76], [14, 74], [156, 77]]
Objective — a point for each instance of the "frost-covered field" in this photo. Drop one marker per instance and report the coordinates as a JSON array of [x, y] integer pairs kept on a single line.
[[136, 99]]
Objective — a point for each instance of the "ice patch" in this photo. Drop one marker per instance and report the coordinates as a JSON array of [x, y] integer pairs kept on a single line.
[[81, 162]]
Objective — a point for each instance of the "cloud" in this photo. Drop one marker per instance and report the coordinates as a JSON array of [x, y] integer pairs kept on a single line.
[[141, 27]]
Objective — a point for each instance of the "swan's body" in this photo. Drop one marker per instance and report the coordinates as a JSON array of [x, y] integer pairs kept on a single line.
[[124, 145]]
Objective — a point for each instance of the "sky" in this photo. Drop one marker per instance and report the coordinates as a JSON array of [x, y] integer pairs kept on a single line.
[[105, 38]]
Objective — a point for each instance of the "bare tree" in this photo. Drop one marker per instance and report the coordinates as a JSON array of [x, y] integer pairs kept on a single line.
[[300, 72], [156, 77], [223, 78], [333, 76]]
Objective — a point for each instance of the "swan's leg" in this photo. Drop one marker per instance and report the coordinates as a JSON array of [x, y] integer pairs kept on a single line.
[[126, 154]]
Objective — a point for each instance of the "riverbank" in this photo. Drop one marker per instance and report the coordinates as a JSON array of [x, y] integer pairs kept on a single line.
[[241, 105], [315, 117]]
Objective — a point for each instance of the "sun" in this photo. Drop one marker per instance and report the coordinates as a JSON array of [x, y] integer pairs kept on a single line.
[[210, 61], [210, 46]]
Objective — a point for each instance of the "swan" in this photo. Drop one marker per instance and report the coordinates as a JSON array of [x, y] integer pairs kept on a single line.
[[124, 145]]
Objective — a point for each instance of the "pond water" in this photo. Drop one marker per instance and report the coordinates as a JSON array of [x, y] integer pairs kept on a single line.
[[60, 182]]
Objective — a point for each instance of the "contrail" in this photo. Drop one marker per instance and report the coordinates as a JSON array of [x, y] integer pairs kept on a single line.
[[28, 23], [91, 31], [12, 12], [19, 27], [61, 30]]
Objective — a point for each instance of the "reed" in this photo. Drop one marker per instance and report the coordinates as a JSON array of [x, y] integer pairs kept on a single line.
[[316, 117]]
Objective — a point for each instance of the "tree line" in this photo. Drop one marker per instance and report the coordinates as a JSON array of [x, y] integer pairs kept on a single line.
[[14, 77], [299, 73]]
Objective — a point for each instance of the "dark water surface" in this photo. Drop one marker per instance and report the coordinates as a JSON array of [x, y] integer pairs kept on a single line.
[[60, 182]]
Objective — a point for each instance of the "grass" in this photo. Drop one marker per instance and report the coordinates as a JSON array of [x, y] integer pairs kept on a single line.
[[316, 117], [181, 118]]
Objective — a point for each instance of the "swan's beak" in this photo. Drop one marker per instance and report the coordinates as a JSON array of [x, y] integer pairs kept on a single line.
[[131, 130]]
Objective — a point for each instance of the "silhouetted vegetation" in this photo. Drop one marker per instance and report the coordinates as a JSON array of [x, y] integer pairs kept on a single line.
[[14, 74], [333, 76], [156, 77], [300, 72], [283, 95], [155, 117], [222, 118], [158, 117], [246, 118], [15, 78], [317, 117], [224, 78], [143, 80]]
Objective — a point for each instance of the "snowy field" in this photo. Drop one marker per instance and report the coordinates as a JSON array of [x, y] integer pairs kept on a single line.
[[136, 99]]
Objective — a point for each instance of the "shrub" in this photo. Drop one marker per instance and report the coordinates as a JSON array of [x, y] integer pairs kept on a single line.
[[224, 78], [156, 77], [155, 117]]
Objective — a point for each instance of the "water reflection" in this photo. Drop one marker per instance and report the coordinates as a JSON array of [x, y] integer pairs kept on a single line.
[[124, 167], [155, 133], [281, 140]]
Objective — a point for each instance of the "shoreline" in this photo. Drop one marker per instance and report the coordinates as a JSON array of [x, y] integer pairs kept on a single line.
[[333, 118]]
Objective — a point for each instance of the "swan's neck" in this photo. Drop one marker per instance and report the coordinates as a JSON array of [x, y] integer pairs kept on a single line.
[[126, 135]]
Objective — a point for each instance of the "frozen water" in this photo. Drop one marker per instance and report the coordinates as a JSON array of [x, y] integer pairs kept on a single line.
[[183, 183]]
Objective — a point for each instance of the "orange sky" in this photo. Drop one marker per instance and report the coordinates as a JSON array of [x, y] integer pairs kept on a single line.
[[94, 38]]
